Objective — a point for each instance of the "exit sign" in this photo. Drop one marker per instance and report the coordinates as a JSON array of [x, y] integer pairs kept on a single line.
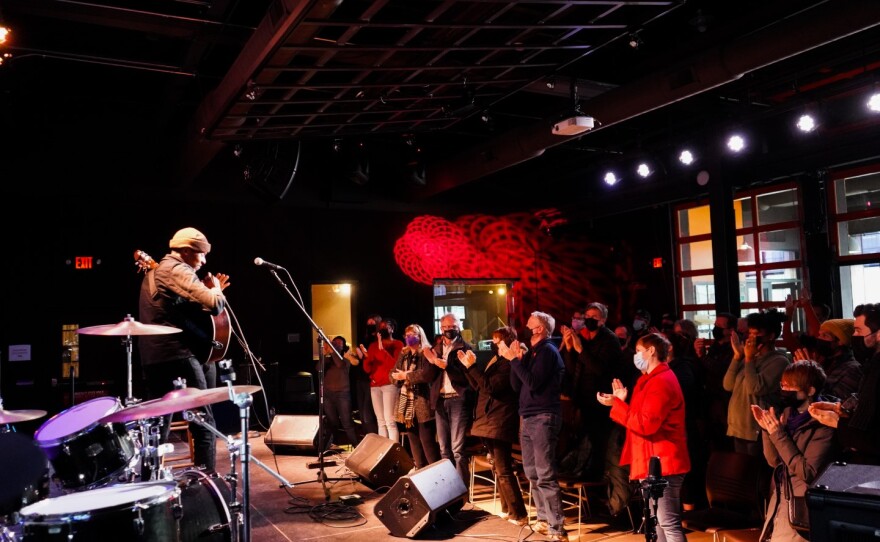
[[83, 262], [658, 263]]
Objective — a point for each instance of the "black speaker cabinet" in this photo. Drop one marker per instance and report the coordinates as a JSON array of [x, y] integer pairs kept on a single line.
[[844, 503], [379, 461], [290, 434], [414, 501]]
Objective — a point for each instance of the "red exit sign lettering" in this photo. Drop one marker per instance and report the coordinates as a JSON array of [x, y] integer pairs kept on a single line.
[[83, 262]]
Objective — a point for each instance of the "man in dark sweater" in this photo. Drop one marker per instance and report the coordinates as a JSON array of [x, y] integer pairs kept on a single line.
[[536, 377], [337, 392]]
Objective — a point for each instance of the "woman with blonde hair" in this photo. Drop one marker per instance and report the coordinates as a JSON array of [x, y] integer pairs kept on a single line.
[[413, 374]]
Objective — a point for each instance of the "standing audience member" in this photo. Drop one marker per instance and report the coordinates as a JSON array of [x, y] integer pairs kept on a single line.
[[655, 426], [360, 381], [641, 324], [857, 420], [831, 348], [381, 356], [337, 392], [537, 376], [753, 379], [173, 294], [497, 420], [795, 445], [413, 375], [594, 355], [451, 395], [715, 356]]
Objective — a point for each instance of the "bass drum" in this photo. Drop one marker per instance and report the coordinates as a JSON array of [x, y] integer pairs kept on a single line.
[[143, 512], [205, 502]]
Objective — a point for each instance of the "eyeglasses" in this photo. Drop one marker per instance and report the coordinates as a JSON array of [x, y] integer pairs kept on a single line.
[[448, 327]]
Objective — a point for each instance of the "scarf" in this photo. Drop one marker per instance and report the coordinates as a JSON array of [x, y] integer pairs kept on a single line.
[[406, 400]]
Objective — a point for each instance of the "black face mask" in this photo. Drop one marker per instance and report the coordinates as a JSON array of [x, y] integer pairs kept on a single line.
[[385, 333], [494, 349], [718, 333], [526, 336], [790, 399], [451, 334], [860, 351], [371, 329], [591, 324], [808, 341], [825, 348]]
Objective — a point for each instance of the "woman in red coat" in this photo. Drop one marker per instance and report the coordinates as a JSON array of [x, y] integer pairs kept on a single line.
[[655, 426]]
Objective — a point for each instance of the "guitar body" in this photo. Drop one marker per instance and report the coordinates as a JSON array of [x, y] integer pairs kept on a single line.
[[211, 333]]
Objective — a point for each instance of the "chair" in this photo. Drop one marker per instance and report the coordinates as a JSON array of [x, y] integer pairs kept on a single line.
[[181, 459], [735, 487], [481, 468], [577, 489], [299, 393]]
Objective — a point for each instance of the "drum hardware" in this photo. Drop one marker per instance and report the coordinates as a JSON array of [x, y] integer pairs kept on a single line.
[[126, 329]]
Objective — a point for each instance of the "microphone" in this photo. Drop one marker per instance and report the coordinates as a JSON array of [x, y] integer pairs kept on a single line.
[[270, 265], [654, 469]]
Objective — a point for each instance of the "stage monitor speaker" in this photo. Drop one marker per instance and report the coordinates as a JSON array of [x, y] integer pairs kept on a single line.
[[293, 434], [379, 461], [844, 503], [415, 500]]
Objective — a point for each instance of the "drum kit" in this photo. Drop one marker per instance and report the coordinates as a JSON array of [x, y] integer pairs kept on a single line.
[[107, 465]]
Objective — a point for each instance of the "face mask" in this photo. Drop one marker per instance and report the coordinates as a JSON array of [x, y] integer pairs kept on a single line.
[[640, 362], [825, 348], [577, 324], [412, 340], [591, 324], [860, 350], [384, 333], [451, 334], [808, 341], [790, 399], [371, 329], [718, 333], [494, 348], [526, 336], [638, 325]]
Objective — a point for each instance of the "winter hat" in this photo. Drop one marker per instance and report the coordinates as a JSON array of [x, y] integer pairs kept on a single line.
[[840, 328], [190, 238]]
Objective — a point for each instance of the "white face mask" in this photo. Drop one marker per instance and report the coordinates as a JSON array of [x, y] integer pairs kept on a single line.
[[638, 325], [640, 362]]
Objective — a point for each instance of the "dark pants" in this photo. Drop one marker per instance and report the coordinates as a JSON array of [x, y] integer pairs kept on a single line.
[[160, 380], [453, 420], [337, 414], [508, 486], [422, 438], [363, 400]]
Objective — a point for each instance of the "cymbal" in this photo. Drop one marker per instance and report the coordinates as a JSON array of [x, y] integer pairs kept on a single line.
[[15, 416], [175, 401], [129, 326]]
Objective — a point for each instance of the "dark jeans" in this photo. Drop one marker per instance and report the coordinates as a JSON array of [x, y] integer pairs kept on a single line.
[[508, 486], [337, 414], [453, 419], [669, 511], [160, 380], [363, 400], [539, 437], [422, 438]]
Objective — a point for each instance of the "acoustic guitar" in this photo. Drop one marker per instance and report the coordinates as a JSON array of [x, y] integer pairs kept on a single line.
[[214, 329]]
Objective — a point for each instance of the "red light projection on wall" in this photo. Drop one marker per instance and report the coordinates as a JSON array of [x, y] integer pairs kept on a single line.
[[555, 275]]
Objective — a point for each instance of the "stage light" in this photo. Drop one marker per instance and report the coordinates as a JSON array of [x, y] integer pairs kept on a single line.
[[610, 178], [736, 143], [874, 102], [806, 123], [686, 157], [644, 170]]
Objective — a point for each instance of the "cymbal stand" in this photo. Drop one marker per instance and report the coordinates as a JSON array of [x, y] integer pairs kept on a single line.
[[239, 449], [129, 399]]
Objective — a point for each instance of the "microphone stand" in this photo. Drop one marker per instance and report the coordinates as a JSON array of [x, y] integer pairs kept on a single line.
[[322, 338], [652, 489]]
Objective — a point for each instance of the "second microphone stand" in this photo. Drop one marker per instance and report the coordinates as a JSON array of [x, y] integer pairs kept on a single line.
[[322, 340]]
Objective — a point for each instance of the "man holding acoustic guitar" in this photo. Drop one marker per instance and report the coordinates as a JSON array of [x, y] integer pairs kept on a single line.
[[172, 294]]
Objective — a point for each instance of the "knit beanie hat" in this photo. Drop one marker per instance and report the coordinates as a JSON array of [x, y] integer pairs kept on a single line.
[[190, 238], [840, 328]]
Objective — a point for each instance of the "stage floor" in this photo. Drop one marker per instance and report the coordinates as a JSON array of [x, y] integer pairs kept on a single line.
[[291, 504]]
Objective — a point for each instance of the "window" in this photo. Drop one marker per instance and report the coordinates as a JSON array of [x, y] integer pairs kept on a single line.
[[855, 222], [696, 287]]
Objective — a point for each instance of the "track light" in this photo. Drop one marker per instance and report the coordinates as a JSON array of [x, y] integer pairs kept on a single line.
[[736, 143], [806, 123], [686, 157], [610, 178], [644, 170], [874, 102], [635, 40]]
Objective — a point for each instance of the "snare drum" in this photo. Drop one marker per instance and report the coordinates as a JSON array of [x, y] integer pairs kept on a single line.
[[84, 453], [143, 512]]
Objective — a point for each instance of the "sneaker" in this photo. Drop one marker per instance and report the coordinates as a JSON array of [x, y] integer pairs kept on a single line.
[[561, 536], [541, 527], [519, 522], [503, 515]]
